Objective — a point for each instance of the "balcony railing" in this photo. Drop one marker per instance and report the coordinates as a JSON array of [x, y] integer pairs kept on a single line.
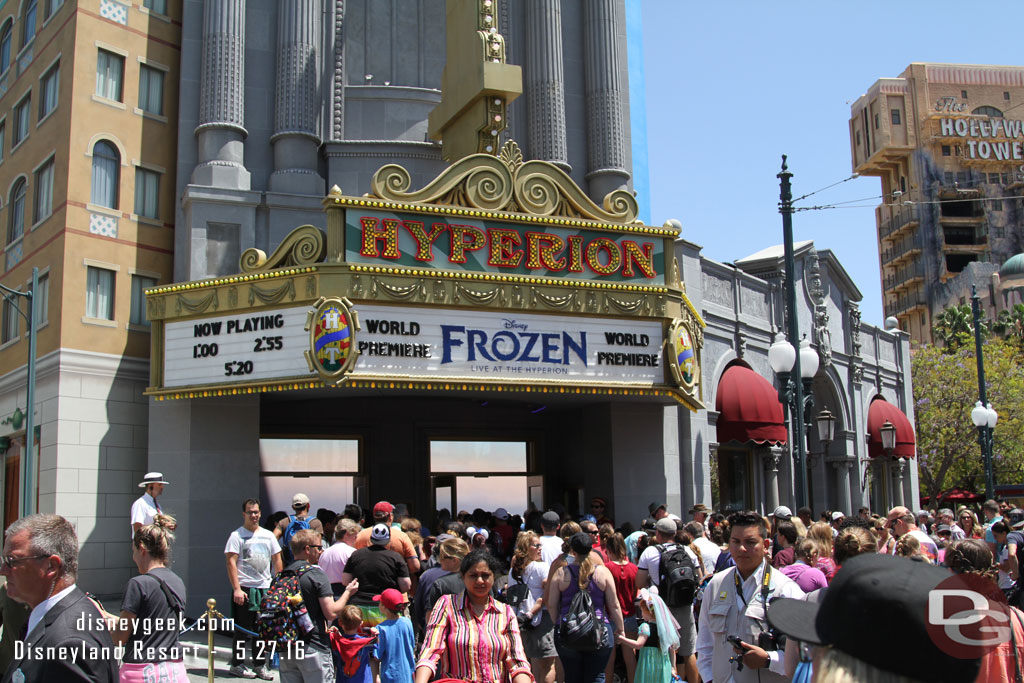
[[902, 247], [899, 219], [904, 274], [905, 302]]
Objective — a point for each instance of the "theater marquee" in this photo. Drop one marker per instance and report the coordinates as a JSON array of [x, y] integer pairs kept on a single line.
[[508, 280]]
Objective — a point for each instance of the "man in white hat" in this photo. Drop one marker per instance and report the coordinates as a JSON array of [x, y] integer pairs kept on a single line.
[[146, 507]]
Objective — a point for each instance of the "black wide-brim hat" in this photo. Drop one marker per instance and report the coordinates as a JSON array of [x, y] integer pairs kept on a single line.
[[875, 610]]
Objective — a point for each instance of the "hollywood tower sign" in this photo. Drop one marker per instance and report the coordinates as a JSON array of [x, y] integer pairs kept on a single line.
[[498, 276]]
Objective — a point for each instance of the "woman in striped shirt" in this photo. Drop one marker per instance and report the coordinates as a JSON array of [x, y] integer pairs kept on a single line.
[[471, 636]]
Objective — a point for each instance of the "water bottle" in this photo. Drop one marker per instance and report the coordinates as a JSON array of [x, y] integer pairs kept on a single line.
[[301, 614]]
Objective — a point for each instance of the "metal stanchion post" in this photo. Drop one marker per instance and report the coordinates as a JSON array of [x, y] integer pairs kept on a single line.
[[210, 604]]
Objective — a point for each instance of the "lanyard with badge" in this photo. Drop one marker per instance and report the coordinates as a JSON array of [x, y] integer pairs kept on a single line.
[[766, 640]]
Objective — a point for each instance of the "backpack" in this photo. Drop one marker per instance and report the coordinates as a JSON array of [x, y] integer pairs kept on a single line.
[[516, 596], [294, 527], [276, 620], [677, 575], [579, 628]]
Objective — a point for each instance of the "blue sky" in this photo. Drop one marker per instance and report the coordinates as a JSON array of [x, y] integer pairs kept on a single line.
[[731, 87]]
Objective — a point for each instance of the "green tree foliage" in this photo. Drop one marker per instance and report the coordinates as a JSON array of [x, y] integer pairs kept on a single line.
[[1009, 324], [945, 390], [954, 327]]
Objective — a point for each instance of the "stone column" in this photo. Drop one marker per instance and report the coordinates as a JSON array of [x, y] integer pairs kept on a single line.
[[772, 456], [842, 468], [221, 130], [897, 489], [606, 154], [296, 139], [545, 82]]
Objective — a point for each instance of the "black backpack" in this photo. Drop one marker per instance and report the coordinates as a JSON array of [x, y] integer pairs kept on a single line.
[[677, 575], [579, 628], [516, 595]]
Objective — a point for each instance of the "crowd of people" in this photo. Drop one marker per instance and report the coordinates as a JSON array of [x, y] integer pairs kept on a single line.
[[493, 597]]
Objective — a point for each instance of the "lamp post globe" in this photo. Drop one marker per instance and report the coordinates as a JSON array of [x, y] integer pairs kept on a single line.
[[781, 356], [808, 360]]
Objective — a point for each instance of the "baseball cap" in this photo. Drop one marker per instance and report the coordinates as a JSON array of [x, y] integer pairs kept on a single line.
[[877, 599], [383, 508], [943, 527], [501, 513], [391, 599], [654, 507], [782, 512], [666, 525], [551, 518], [1016, 518], [837, 515], [299, 500], [380, 534]]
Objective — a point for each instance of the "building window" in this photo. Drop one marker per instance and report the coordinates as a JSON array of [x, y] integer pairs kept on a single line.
[[999, 231], [963, 94], [44, 192], [42, 297], [50, 85], [6, 37], [895, 114], [959, 150], [903, 184], [947, 178], [21, 113], [16, 213], [3, 138], [858, 138], [151, 90], [986, 110], [158, 6], [28, 19], [10, 321], [139, 285], [109, 75], [147, 193], [106, 174], [99, 293], [51, 7], [946, 150], [876, 121], [1006, 95]]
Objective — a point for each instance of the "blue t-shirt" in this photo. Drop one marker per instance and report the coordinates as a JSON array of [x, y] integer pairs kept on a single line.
[[395, 650], [354, 669]]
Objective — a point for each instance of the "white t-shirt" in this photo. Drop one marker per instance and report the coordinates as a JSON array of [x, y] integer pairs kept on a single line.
[[255, 550], [143, 511], [533, 576], [551, 548], [709, 552], [650, 559]]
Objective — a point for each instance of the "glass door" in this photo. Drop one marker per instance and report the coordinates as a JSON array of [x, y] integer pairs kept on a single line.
[[481, 474], [326, 470]]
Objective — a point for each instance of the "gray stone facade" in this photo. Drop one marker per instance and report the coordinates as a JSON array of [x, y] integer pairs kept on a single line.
[[742, 305], [282, 100]]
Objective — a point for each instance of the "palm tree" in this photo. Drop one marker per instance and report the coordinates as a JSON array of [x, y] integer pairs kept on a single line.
[[1009, 324], [954, 327]]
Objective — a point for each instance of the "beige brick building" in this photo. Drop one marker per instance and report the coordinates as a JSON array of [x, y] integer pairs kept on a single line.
[[946, 140], [88, 110]]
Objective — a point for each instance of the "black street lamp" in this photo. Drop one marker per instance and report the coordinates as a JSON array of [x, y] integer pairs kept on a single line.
[[826, 428], [785, 362], [29, 466], [887, 432], [793, 330], [982, 415]]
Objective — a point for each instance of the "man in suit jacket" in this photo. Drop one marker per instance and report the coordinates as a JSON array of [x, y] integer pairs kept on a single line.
[[66, 638]]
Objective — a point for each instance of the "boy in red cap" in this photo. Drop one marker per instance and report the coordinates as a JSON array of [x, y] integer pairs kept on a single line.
[[394, 653]]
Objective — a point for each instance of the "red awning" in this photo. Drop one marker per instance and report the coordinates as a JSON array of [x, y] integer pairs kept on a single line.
[[748, 408], [881, 411]]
